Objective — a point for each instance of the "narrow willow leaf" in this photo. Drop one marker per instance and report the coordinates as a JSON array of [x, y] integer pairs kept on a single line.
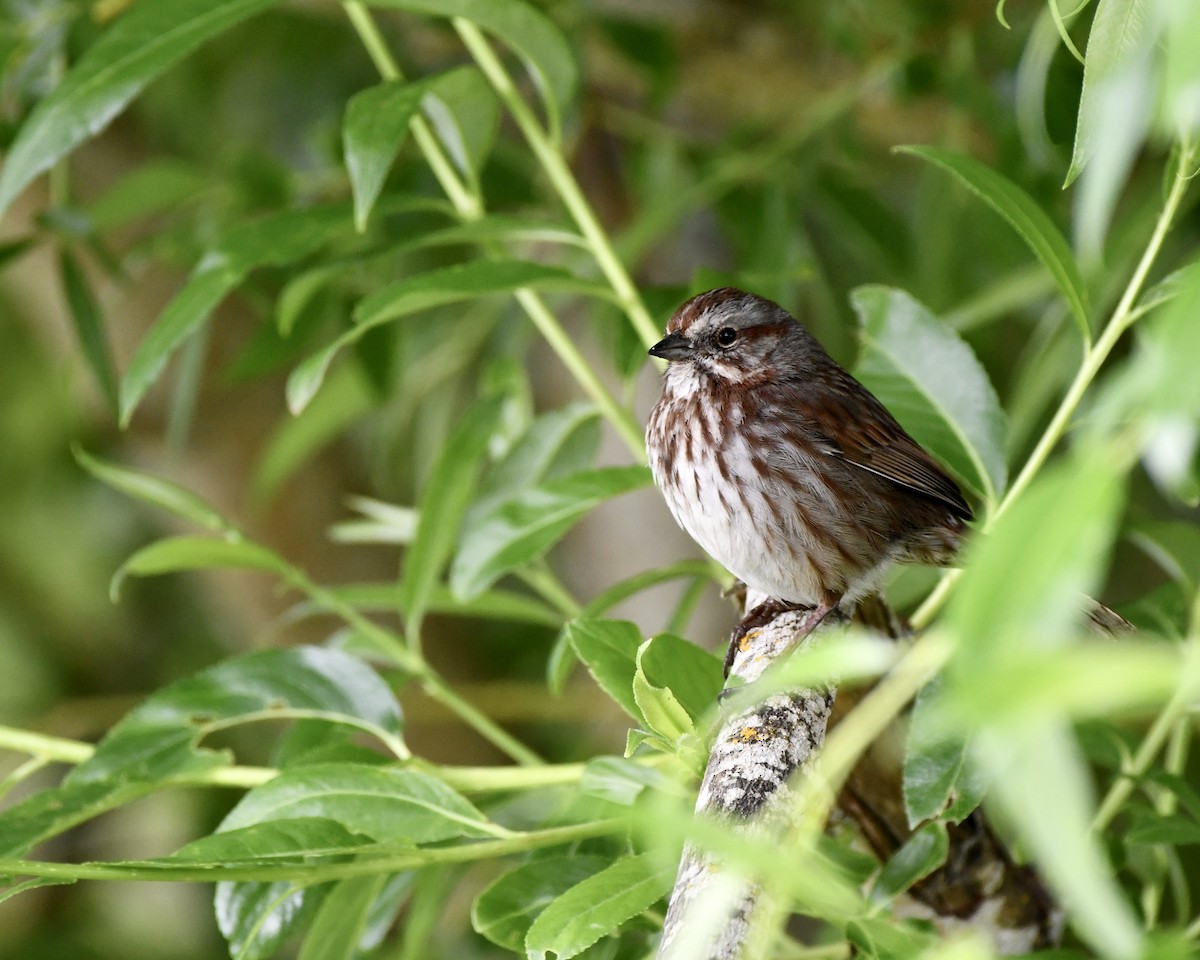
[[156, 186], [504, 911], [933, 384], [490, 605], [387, 804], [1024, 215], [299, 840], [522, 528], [1119, 80], [278, 239], [609, 650], [622, 781], [89, 326], [195, 553], [374, 127], [597, 906], [427, 290], [51, 812], [922, 853], [464, 112], [442, 505], [556, 443], [1171, 830], [32, 884], [526, 30], [140, 45], [154, 491]]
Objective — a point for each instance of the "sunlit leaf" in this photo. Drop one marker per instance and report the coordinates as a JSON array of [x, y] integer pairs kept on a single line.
[[609, 650], [89, 325], [195, 553]]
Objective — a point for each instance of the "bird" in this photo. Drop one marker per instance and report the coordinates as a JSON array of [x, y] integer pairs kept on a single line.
[[784, 468]]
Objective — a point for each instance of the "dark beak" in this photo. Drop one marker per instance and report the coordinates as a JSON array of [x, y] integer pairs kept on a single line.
[[674, 346]]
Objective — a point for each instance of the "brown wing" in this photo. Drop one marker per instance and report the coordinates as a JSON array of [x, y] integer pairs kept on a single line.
[[868, 436]]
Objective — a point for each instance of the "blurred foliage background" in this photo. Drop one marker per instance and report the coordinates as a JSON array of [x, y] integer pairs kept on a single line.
[[720, 141]]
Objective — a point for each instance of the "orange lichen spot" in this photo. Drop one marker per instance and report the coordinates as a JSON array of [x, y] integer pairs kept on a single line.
[[744, 643]]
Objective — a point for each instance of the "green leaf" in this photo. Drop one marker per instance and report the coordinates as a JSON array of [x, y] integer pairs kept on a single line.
[[1026, 217], [596, 906], [144, 42], [694, 676], [299, 840], [557, 443], [160, 738], [921, 854], [522, 528], [154, 491], [504, 910], [939, 778], [156, 186], [622, 781], [526, 30], [932, 383], [427, 290], [463, 110], [1044, 786], [256, 919], [196, 553], [374, 127], [609, 650], [659, 706], [89, 326], [1172, 830], [387, 804], [1120, 77], [51, 812], [1048, 550], [341, 919], [279, 239], [442, 505], [491, 605]]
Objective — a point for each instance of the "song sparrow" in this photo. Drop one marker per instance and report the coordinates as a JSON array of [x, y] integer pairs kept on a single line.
[[782, 466]]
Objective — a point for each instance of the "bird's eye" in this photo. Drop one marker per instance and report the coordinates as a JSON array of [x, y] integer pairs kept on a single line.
[[726, 336]]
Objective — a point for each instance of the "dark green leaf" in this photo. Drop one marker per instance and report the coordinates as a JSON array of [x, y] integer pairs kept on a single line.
[[922, 853], [153, 490], [596, 906], [504, 910], [1026, 217], [939, 778], [388, 804], [143, 43], [299, 840], [50, 812], [609, 650], [463, 110], [374, 127], [1172, 830], [520, 529], [442, 505], [89, 326], [930, 380], [534, 38]]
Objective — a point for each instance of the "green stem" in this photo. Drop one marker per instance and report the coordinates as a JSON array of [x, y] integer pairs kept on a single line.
[[437, 689], [366, 865], [1164, 725], [469, 207], [561, 178], [542, 579]]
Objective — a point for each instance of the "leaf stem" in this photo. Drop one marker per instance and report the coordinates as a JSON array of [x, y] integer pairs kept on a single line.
[[365, 865], [559, 173], [469, 206]]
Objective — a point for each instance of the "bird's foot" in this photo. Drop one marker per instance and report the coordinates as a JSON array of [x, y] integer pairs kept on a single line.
[[767, 611]]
